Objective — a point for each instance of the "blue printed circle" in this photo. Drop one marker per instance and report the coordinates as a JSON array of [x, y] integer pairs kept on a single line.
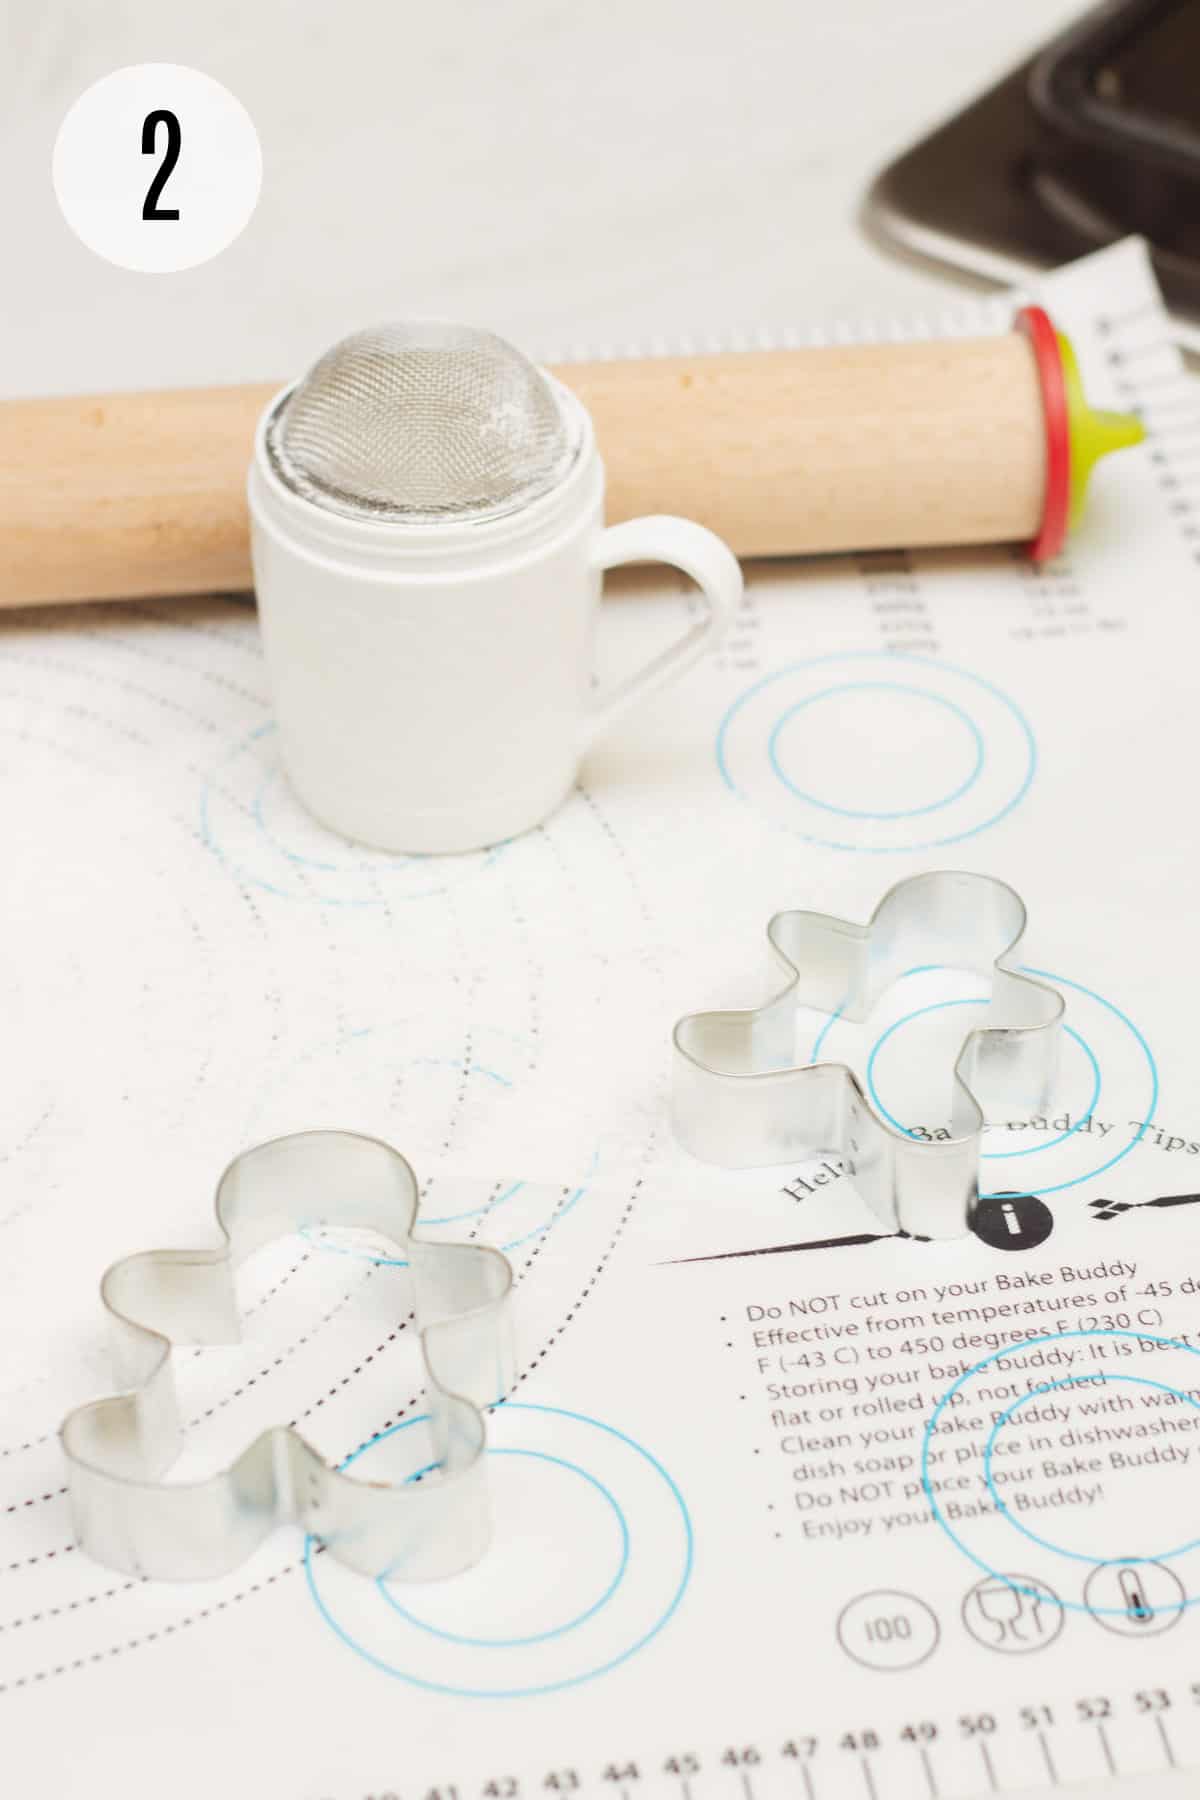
[[867, 687], [1050, 1387], [1012, 1353], [987, 1155], [1131, 1042], [635, 1604], [753, 765], [537, 1637], [255, 826]]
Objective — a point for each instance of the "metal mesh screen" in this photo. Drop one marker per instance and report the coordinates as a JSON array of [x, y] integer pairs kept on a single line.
[[422, 423]]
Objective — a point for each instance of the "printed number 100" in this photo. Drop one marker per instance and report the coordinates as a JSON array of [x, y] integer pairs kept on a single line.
[[885, 1631]]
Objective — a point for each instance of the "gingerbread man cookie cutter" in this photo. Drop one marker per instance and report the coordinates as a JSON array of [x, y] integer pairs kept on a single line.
[[741, 1099], [118, 1449]]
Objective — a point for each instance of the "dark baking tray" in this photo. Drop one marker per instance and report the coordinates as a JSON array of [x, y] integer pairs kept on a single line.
[[1042, 168]]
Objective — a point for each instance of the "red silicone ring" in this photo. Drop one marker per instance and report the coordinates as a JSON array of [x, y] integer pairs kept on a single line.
[[1034, 321]]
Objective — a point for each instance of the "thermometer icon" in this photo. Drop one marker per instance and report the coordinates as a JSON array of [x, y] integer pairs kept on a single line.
[[1137, 1608], [1135, 1598]]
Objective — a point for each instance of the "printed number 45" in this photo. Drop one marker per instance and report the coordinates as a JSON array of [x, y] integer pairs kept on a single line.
[[150, 124]]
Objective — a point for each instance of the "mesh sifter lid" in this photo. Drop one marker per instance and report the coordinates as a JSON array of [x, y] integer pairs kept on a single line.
[[422, 423]]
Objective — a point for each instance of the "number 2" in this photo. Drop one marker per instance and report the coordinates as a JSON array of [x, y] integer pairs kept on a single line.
[[150, 125]]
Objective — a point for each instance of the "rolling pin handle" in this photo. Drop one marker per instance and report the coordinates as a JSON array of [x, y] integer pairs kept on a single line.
[[1077, 435]]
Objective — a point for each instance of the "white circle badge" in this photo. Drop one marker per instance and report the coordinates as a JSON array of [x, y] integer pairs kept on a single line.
[[157, 167]]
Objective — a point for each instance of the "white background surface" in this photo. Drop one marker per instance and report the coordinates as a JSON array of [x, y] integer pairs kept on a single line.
[[566, 173]]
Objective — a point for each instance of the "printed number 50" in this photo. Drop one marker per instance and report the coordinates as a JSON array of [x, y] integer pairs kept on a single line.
[[150, 125]]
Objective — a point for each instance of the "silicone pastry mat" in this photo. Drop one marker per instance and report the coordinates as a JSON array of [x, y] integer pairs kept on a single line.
[[784, 1506]]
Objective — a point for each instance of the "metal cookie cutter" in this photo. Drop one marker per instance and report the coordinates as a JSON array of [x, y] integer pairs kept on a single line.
[[118, 1448], [740, 1099]]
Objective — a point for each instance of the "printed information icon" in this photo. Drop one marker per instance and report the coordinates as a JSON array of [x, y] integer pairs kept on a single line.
[[1012, 1221]]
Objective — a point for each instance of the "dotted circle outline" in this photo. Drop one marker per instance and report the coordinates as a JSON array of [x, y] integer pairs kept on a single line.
[[391, 867], [558, 1212]]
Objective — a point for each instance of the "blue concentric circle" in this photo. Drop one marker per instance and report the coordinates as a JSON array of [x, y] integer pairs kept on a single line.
[[988, 1155], [1057, 981], [1004, 750], [538, 1637], [1050, 1387], [1008, 1353], [575, 1629], [895, 687]]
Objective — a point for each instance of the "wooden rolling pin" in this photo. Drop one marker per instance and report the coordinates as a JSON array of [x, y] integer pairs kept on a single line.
[[985, 440]]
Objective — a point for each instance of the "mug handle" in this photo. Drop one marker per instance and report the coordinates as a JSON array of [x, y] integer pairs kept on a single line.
[[714, 569]]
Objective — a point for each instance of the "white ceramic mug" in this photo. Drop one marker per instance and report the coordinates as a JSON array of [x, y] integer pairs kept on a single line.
[[433, 683]]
